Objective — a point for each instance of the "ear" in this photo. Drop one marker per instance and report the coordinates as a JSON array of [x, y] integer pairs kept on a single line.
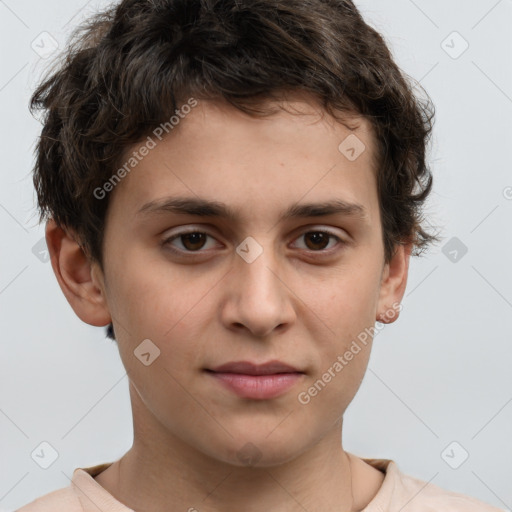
[[81, 281], [393, 283]]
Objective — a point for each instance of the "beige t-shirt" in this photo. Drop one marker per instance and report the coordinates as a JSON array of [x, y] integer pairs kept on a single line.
[[398, 492]]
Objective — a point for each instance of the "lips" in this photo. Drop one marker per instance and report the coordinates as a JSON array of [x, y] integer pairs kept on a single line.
[[248, 368], [257, 381]]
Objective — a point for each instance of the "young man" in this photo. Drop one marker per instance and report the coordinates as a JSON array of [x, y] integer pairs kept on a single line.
[[235, 189]]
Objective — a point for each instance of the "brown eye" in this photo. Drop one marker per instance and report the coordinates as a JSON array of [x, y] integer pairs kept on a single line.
[[318, 241], [192, 241]]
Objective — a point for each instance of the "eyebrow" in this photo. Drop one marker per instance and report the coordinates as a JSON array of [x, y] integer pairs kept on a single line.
[[206, 208]]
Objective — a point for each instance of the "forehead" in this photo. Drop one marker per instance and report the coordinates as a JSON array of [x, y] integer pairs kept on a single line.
[[253, 164]]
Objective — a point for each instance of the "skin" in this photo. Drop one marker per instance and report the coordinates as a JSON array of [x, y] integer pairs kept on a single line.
[[300, 302]]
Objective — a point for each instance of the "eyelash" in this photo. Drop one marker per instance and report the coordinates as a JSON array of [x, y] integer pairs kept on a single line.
[[168, 241]]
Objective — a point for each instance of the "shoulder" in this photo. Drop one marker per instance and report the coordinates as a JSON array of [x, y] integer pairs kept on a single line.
[[61, 499], [427, 496], [409, 494], [68, 498]]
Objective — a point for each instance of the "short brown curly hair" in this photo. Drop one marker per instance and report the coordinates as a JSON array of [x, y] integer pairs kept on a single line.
[[127, 70]]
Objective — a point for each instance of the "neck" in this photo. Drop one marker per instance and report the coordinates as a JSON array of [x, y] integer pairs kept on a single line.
[[161, 468]]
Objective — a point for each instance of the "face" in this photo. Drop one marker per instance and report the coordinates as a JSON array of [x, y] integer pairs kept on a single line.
[[255, 285]]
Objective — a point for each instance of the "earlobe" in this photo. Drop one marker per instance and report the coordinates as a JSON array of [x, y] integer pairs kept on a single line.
[[74, 273], [393, 283]]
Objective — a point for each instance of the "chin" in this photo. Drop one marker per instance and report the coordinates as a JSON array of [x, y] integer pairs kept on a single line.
[[261, 450]]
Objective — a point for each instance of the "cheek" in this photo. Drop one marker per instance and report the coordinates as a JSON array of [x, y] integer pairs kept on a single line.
[[328, 393], [345, 308], [168, 306], [348, 298]]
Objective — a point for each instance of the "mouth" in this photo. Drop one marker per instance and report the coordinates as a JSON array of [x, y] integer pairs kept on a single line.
[[249, 368], [256, 381]]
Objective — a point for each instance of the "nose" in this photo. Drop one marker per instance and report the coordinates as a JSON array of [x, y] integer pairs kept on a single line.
[[257, 297]]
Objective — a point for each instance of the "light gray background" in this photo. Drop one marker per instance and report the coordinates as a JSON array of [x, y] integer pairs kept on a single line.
[[440, 374]]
